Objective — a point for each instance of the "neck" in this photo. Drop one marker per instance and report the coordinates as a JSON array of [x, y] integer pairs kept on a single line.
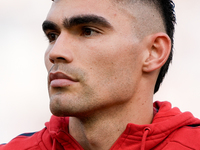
[[100, 130]]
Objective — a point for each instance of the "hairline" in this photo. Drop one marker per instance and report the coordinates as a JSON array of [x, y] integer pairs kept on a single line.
[[139, 4]]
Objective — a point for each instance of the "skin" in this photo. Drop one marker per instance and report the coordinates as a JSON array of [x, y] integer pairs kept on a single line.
[[114, 68]]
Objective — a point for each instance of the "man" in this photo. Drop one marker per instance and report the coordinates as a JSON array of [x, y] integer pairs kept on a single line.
[[105, 60]]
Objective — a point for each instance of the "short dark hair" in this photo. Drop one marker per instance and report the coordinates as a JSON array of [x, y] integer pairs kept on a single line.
[[166, 8]]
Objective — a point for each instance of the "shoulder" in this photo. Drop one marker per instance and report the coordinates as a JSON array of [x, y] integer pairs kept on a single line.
[[28, 141], [186, 137]]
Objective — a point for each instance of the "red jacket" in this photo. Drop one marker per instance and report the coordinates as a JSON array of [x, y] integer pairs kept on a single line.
[[170, 130]]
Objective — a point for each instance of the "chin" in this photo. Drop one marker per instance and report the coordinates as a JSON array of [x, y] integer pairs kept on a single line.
[[59, 111]]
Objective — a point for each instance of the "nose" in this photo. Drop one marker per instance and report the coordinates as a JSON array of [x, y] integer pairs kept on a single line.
[[61, 50]]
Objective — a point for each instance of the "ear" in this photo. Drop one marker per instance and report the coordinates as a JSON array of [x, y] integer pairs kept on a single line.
[[158, 50]]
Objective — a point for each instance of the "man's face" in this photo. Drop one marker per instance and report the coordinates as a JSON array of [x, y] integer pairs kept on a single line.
[[94, 58]]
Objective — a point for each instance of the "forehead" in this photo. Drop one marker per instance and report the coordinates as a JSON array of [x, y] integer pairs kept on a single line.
[[105, 8], [82, 5]]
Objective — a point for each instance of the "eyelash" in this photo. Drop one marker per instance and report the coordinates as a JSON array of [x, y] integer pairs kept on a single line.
[[52, 36], [91, 30]]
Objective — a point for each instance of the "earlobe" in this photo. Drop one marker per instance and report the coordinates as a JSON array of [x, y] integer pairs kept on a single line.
[[158, 52]]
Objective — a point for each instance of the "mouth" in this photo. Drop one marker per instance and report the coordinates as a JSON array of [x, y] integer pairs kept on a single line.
[[59, 79]]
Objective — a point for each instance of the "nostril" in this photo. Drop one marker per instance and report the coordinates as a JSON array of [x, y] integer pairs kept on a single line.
[[61, 58], [51, 60]]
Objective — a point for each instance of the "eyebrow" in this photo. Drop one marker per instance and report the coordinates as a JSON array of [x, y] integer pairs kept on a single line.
[[49, 25], [86, 19], [77, 20]]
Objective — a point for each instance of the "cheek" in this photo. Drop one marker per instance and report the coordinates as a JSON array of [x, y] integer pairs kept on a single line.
[[48, 64], [113, 64], [113, 59]]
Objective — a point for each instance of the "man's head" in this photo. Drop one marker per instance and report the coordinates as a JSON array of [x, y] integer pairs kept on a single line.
[[103, 54]]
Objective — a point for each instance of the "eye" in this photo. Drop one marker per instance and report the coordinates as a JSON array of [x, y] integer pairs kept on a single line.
[[86, 31], [52, 37]]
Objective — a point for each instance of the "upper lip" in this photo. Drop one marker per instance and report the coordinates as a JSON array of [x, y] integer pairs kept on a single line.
[[60, 75]]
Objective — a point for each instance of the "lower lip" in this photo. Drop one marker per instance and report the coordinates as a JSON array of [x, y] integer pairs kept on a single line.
[[61, 83]]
